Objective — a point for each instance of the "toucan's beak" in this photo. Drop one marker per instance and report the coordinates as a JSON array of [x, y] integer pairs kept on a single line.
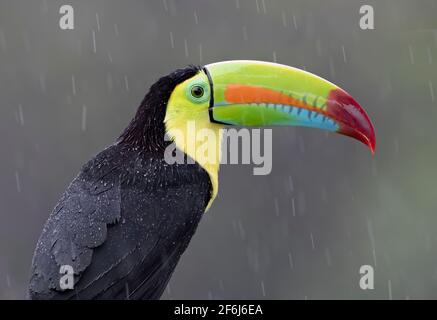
[[255, 93]]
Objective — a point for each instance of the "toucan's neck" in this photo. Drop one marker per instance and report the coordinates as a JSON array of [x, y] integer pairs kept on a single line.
[[203, 146], [145, 131]]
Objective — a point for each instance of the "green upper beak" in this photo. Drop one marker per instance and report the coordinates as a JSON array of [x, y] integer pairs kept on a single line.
[[255, 93]]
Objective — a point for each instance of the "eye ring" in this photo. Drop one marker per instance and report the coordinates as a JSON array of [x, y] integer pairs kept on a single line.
[[197, 91]]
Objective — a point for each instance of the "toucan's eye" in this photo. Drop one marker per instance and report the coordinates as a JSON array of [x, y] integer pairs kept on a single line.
[[197, 92]]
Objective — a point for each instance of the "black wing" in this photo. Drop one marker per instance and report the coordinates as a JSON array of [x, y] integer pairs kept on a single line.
[[122, 226]]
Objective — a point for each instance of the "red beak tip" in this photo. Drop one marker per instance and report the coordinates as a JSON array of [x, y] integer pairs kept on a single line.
[[372, 149], [354, 121], [371, 143]]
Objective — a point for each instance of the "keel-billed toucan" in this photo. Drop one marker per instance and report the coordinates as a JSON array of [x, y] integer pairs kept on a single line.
[[125, 220]]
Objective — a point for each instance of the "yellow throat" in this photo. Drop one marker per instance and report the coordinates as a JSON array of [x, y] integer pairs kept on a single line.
[[189, 126]]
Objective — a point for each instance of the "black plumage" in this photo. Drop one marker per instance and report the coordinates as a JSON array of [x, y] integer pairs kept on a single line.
[[126, 219]]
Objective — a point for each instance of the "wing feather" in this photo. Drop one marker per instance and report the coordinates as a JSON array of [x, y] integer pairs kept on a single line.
[[122, 225]]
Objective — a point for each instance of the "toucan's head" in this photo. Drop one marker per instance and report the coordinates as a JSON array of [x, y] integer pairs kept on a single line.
[[255, 93]]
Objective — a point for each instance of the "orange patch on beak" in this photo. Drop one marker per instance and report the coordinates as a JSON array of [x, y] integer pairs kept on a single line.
[[245, 94]]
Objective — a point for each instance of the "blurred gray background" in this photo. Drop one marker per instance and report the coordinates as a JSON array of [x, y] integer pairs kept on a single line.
[[301, 232]]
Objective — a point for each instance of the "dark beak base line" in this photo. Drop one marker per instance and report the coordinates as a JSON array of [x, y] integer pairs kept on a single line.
[[211, 99]]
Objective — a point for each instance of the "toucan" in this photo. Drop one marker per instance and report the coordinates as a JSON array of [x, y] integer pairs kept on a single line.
[[121, 226]]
